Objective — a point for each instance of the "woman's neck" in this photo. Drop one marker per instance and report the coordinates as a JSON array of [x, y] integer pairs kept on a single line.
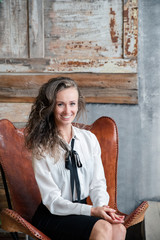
[[66, 133]]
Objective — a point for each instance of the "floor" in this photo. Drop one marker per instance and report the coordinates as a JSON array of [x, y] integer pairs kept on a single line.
[[7, 236]]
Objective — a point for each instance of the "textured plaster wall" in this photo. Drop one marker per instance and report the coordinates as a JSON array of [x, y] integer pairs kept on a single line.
[[139, 125]]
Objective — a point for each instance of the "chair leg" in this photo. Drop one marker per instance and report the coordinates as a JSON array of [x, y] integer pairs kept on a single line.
[[14, 235], [29, 238]]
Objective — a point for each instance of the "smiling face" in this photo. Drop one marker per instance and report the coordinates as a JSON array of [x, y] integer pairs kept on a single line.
[[66, 106]]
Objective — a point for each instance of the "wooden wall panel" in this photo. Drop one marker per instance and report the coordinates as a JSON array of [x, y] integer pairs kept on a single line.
[[13, 29], [95, 87], [46, 65], [36, 29], [95, 42], [17, 92], [15, 112], [83, 29], [71, 36]]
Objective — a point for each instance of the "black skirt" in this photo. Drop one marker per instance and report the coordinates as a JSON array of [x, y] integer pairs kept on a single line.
[[68, 227]]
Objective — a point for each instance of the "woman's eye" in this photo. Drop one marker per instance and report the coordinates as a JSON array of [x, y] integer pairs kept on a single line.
[[60, 104], [73, 104]]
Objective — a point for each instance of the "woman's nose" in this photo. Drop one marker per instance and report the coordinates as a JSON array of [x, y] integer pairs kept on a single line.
[[67, 109]]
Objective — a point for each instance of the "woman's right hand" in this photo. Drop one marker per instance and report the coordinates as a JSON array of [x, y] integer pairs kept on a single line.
[[107, 213]]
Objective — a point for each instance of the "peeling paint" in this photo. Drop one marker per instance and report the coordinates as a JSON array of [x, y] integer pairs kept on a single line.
[[102, 66], [131, 46], [89, 27], [113, 32], [125, 15], [131, 29], [81, 41], [86, 45], [113, 29]]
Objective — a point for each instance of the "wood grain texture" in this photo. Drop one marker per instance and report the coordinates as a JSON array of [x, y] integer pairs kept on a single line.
[[36, 29], [69, 36], [93, 40], [53, 65], [13, 25], [15, 112], [83, 29], [100, 88]]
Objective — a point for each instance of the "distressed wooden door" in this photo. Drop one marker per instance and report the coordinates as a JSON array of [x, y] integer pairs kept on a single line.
[[93, 41]]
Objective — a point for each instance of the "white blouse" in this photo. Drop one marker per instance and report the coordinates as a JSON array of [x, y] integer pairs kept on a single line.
[[53, 178]]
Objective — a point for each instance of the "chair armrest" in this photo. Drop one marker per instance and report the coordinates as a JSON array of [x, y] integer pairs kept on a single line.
[[137, 215], [13, 222]]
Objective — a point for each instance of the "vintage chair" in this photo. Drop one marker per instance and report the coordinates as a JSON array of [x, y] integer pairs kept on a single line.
[[16, 165]]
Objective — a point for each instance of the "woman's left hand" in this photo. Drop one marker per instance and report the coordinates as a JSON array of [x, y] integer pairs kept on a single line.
[[115, 216]]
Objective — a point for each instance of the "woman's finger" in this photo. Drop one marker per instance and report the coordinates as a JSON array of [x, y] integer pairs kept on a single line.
[[106, 209], [121, 217], [112, 215]]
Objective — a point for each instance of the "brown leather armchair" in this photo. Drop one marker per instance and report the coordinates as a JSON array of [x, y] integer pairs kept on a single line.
[[16, 165]]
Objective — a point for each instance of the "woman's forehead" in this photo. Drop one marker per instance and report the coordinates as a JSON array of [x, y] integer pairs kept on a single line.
[[67, 94]]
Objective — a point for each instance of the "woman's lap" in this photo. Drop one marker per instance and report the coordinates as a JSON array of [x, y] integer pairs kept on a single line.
[[69, 227]]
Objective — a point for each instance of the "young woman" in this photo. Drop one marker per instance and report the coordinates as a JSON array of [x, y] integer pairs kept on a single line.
[[68, 168]]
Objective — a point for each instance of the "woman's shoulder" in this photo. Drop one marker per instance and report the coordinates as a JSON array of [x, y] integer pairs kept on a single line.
[[81, 132]]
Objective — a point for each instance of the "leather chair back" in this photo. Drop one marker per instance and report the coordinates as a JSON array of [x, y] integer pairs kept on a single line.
[[17, 165], [106, 132]]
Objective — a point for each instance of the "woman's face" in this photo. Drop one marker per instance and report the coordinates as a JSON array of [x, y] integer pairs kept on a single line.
[[66, 106]]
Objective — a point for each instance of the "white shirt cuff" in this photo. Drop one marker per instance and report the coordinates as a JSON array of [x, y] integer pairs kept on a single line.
[[86, 209]]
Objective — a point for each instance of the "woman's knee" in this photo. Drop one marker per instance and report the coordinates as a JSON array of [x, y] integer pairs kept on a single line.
[[119, 229], [106, 227], [122, 228], [101, 230]]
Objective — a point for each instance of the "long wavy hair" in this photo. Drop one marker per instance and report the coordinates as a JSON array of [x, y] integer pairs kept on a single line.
[[41, 132]]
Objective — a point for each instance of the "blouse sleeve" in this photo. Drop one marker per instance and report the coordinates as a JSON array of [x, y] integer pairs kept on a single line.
[[51, 194], [98, 187]]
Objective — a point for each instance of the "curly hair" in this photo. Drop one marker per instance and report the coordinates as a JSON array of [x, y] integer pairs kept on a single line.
[[41, 131]]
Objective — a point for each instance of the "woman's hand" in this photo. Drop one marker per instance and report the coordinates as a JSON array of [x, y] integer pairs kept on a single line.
[[107, 214]]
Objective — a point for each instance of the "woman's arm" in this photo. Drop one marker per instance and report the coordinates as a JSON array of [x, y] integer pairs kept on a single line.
[[51, 194]]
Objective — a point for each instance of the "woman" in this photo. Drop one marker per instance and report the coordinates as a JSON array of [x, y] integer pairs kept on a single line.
[[68, 168]]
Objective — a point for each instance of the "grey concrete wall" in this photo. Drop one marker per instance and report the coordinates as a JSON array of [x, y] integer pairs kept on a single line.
[[139, 125], [152, 220]]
